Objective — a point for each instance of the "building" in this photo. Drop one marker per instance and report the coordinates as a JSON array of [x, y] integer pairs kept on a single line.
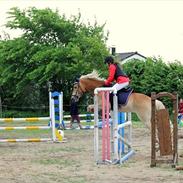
[[126, 56]]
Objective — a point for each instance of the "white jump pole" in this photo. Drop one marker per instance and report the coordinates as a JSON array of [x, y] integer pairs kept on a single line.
[[115, 125], [96, 121], [61, 108], [53, 120], [130, 129], [50, 105]]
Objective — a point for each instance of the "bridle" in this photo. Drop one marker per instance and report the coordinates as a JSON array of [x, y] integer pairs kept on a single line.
[[77, 92]]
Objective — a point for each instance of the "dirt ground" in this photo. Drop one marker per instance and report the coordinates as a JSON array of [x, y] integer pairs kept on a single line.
[[73, 162]]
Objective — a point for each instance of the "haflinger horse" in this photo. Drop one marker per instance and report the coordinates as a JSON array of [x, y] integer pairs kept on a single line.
[[137, 102]]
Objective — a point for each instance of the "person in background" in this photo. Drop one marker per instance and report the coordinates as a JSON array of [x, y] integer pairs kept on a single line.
[[180, 113], [74, 114], [180, 108], [115, 74]]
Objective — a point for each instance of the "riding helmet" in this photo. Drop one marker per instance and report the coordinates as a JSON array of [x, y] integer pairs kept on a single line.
[[108, 60]]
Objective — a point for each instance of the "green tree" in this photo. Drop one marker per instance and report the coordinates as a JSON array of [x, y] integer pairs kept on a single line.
[[154, 75], [175, 78], [52, 49]]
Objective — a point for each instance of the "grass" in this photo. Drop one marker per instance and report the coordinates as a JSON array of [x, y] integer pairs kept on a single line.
[[26, 134], [75, 179], [37, 133]]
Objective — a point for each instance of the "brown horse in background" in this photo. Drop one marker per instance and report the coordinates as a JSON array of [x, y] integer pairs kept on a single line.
[[137, 102]]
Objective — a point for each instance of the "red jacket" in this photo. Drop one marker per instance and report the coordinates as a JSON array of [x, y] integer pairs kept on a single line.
[[181, 107], [111, 78]]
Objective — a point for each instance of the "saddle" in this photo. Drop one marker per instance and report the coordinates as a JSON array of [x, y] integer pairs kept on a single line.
[[122, 95]]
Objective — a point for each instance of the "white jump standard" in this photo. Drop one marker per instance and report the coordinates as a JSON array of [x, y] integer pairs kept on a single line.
[[111, 149]]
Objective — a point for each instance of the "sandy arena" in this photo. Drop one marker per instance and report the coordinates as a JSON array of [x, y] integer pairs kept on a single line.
[[73, 162]]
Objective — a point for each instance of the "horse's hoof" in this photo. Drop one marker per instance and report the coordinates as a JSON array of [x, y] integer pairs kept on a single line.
[[115, 161]]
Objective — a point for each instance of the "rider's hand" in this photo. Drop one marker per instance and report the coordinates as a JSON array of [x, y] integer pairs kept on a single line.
[[106, 83]]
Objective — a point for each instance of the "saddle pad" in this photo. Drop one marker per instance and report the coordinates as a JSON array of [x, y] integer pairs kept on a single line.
[[122, 95]]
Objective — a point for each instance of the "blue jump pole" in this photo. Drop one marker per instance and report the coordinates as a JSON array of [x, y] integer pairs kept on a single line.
[[121, 120]]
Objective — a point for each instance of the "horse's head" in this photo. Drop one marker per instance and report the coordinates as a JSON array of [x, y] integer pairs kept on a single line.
[[86, 83], [76, 92]]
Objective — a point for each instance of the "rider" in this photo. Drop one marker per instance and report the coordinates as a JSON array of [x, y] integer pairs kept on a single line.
[[116, 73]]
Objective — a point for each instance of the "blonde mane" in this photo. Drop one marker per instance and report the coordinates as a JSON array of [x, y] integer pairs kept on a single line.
[[93, 75]]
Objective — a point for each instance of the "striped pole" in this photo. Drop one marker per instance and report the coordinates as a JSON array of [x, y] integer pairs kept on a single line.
[[80, 115], [105, 127], [26, 140], [88, 118], [34, 119], [24, 128], [81, 121]]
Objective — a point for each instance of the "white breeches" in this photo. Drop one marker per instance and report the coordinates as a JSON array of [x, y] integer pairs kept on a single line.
[[119, 86]]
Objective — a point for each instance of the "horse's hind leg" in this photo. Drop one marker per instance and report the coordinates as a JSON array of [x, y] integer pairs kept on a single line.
[[145, 118]]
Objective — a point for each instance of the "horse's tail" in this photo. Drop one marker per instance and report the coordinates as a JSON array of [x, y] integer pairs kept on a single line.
[[160, 105]]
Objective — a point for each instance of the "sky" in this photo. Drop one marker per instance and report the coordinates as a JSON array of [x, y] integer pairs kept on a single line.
[[152, 28]]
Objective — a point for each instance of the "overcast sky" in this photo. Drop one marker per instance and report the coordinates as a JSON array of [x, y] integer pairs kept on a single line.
[[153, 28]]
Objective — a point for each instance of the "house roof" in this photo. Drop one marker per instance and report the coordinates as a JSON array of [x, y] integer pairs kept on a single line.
[[126, 55]]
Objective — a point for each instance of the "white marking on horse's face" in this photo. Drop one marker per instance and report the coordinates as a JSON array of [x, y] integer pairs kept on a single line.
[[90, 108]]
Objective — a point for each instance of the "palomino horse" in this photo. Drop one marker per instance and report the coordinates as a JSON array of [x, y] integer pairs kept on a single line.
[[137, 102]]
